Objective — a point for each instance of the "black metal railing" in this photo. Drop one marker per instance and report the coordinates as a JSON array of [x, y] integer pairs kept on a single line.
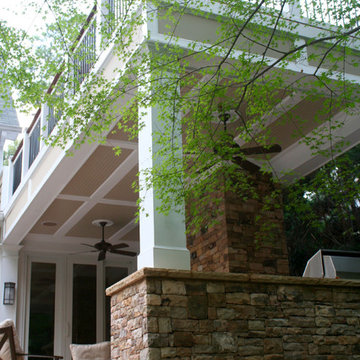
[[17, 171], [339, 13], [116, 10], [34, 142], [85, 55]]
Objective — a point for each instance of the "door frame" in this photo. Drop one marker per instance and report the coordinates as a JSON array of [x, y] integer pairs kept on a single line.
[[100, 292], [63, 294], [60, 296]]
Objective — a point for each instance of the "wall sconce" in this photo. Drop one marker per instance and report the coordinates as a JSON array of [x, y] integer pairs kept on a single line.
[[9, 293]]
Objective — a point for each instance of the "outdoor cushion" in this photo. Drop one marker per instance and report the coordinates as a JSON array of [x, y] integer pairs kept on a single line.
[[100, 351], [5, 350]]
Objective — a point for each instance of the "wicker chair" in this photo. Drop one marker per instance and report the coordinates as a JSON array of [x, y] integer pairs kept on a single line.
[[10, 347]]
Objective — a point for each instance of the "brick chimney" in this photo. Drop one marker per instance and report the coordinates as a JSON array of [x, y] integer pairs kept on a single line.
[[238, 243]]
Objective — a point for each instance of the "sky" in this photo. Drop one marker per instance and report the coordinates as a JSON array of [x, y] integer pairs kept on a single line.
[[12, 12]]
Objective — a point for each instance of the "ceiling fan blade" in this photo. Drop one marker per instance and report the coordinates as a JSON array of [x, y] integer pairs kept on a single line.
[[258, 150], [88, 245], [83, 252], [102, 255], [122, 252], [119, 246], [246, 165]]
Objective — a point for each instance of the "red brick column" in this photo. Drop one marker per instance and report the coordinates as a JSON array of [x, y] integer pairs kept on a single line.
[[238, 243]]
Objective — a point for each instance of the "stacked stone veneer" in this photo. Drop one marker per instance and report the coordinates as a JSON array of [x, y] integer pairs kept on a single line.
[[163, 314], [237, 243]]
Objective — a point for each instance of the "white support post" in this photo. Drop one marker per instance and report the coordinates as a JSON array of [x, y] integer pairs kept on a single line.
[[9, 255], [295, 9], [6, 186], [303, 60], [102, 11], [162, 238], [45, 113], [2, 143], [11, 178]]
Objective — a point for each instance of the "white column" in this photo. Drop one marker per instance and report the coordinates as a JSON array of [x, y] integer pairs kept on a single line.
[[162, 238], [45, 113], [2, 143], [101, 13], [11, 177], [6, 184], [295, 9], [9, 256]]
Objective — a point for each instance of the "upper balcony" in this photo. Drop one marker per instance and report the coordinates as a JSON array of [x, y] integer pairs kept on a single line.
[[36, 167]]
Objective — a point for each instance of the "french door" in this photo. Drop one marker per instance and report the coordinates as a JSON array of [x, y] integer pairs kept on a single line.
[[66, 302]]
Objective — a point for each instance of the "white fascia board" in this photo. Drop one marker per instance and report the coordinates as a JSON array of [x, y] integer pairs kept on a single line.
[[301, 160], [302, 68], [11, 129], [305, 28]]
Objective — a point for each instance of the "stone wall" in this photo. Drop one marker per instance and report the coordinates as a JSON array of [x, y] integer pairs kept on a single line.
[[236, 243], [167, 314]]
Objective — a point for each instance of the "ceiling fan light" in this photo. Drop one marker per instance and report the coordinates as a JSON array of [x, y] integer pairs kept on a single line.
[[98, 222], [102, 255]]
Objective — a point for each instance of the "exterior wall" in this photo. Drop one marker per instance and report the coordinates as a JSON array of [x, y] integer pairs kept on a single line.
[[236, 243], [168, 314], [9, 265]]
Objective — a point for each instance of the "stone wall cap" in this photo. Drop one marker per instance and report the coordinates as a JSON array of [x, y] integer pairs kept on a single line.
[[233, 277]]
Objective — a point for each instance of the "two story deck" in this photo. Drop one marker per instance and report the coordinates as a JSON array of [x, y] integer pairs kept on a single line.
[[50, 200]]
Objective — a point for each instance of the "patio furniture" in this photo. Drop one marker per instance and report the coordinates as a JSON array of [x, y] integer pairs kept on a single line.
[[10, 348], [99, 351]]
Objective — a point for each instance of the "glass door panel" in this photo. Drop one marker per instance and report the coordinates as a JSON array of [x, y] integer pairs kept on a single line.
[[84, 304], [42, 308]]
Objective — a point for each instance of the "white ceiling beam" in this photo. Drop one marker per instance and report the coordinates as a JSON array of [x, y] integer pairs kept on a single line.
[[124, 231], [100, 200], [301, 160], [279, 110], [117, 175], [197, 87], [121, 144]]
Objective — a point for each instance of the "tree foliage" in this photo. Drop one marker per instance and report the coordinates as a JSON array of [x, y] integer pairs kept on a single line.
[[9, 152], [240, 64], [323, 210]]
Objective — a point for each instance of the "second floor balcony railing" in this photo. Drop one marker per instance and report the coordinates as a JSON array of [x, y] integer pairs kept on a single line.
[[86, 51], [116, 10], [34, 141], [334, 12], [17, 161]]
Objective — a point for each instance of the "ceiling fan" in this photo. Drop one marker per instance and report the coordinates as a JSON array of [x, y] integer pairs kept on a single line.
[[237, 155], [103, 246]]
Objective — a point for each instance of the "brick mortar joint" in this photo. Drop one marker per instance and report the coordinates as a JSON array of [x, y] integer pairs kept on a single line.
[[169, 274]]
